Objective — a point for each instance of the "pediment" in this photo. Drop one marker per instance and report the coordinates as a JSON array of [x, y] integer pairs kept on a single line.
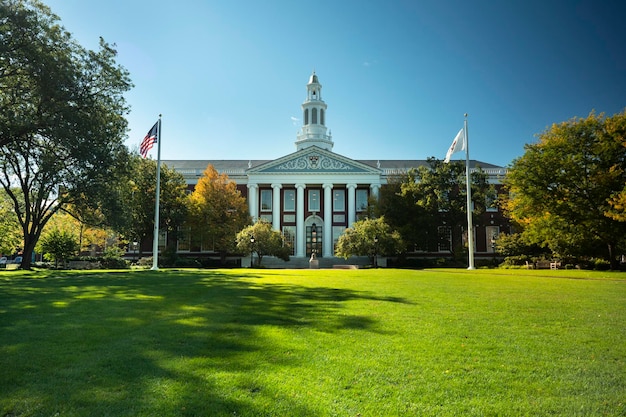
[[313, 160]]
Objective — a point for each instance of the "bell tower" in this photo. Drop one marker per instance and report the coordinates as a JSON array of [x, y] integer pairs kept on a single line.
[[314, 131]]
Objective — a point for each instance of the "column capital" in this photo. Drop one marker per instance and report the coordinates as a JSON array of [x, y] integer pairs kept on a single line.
[[327, 185], [351, 185], [302, 186], [279, 186], [251, 186]]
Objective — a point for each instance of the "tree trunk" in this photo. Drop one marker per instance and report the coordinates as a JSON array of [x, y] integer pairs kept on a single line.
[[27, 253]]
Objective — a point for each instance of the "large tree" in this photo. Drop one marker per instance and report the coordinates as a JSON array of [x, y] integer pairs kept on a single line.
[[218, 211], [139, 191], [439, 191], [62, 123], [565, 190], [402, 212]]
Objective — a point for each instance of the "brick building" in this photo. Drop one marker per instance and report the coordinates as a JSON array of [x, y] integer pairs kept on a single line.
[[316, 192]]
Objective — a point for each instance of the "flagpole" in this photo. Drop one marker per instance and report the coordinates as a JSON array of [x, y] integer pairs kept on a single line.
[[155, 240], [470, 227]]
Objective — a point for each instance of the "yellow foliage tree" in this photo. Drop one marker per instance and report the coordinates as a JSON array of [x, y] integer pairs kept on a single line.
[[217, 212]]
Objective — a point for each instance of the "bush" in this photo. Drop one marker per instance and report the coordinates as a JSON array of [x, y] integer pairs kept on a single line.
[[517, 260], [601, 265], [145, 261], [114, 263], [187, 263]]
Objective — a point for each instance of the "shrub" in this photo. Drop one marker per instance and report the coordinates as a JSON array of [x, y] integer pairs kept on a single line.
[[114, 263], [601, 265], [187, 263], [58, 245]]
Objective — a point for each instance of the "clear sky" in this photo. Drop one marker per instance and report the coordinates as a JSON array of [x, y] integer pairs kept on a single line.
[[229, 76]]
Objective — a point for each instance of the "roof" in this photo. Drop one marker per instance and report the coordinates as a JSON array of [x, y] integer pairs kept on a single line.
[[223, 165]]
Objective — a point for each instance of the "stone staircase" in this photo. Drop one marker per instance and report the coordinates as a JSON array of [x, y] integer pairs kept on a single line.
[[303, 263]]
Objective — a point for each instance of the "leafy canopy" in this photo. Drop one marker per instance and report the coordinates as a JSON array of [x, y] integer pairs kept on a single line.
[[566, 191], [267, 242], [62, 125], [369, 237], [217, 210]]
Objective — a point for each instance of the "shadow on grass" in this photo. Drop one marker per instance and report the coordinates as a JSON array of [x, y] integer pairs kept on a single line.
[[155, 343]]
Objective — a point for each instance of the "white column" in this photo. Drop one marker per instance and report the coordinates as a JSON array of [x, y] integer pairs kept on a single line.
[[276, 206], [351, 204], [300, 239], [327, 249], [253, 193]]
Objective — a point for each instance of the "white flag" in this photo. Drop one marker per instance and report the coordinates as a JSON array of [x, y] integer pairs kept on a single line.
[[458, 145]]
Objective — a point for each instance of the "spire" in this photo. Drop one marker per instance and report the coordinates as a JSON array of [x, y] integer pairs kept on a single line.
[[314, 130]]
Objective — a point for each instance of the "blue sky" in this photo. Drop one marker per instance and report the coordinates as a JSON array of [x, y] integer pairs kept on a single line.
[[229, 76]]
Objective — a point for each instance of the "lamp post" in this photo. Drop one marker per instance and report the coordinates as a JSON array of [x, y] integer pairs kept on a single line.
[[375, 251], [135, 246], [493, 248], [251, 251]]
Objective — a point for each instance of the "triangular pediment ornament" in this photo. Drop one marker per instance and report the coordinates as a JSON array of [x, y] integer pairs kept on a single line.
[[314, 159]]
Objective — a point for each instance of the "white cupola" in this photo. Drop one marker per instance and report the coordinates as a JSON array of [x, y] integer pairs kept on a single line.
[[314, 131]]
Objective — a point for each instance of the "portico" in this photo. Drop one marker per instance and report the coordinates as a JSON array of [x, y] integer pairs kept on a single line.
[[330, 206]]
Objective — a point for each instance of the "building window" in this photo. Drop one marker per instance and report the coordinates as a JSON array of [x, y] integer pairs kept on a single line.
[[162, 240], [361, 200], [266, 200], [339, 200], [314, 200], [337, 231], [289, 198], [314, 116], [491, 203], [289, 238], [322, 116], [306, 116], [444, 243], [208, 243], [184, 239]]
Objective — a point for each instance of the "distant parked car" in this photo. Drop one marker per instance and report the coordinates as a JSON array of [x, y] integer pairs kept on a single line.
[[17, 260], [3, 260]]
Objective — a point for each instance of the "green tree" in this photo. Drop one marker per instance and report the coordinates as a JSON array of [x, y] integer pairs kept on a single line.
[[439, 191], [267, 242], [89, 237], [564, 191], [403, 214], [139, 192], [62, 125], [515, 249], [369, 237], [217, 211], [58, 245]]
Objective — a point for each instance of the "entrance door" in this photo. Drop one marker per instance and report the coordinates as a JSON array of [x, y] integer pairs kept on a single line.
[[314, 240]]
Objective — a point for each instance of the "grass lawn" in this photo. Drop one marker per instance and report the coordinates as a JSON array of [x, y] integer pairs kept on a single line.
[[313, 343]]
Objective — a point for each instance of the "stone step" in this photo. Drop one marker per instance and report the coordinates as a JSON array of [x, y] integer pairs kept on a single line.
[[303, 262]]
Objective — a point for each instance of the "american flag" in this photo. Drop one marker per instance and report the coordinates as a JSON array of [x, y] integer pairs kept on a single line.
[[149, 140]]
